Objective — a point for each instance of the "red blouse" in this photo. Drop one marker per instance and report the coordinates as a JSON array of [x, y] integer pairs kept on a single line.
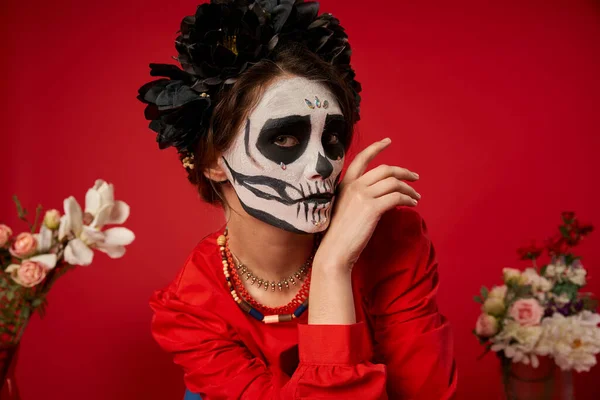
[[400, 348]]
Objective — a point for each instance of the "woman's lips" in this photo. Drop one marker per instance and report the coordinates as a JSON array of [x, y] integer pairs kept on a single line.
[[319, 198]]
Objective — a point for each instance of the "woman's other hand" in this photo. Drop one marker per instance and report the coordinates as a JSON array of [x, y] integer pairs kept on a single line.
[[362, 199]]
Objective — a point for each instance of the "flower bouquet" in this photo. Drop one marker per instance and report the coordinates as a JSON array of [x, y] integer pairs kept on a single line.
[[31, 262], [540, 318]]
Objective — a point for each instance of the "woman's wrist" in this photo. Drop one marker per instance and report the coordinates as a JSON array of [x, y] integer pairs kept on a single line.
[[331, 262], [331, 296]]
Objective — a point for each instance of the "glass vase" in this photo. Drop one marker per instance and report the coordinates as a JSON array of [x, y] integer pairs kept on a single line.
[[546, 382], [8, 362]]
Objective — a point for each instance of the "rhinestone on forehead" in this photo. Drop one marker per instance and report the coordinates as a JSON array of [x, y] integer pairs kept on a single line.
[[317, 103]]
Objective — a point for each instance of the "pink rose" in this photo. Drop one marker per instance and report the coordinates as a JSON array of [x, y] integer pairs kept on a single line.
[[486, 326], [527, 312], [28, 274], [5, 234], [24, 245]]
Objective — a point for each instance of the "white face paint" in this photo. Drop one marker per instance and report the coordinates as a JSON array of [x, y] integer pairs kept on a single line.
[[285, 162]]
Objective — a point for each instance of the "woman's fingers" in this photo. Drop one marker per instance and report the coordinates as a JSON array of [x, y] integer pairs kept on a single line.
[[361, 161], [391, 185], [394, 199], [382, 172]]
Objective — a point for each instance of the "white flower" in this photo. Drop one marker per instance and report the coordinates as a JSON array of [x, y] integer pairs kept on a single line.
[[562, 299], [518, 342], [538, 283], [101, 205], [556, 269], [572, 341], [85, 230], [44, 239], [576, 275]]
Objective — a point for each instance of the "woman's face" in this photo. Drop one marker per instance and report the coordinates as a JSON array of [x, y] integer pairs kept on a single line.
[[285, 162]]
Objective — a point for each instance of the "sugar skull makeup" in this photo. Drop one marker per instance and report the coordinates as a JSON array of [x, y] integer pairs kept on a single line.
[[285, 163]]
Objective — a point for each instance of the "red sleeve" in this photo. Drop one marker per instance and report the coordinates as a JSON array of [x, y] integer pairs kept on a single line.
[[217, 365], [411, 337]]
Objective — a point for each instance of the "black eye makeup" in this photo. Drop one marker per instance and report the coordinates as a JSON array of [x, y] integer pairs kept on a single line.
[[284, 140], [335, 136]]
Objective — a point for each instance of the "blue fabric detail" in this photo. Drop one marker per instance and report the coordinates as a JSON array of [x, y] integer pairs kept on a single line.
[[191, 396]]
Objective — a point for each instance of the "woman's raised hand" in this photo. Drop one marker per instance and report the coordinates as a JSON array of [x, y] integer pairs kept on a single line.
[[361, 201]]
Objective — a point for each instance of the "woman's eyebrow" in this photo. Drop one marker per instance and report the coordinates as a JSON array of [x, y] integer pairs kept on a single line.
[[301, 122], [334, 118]]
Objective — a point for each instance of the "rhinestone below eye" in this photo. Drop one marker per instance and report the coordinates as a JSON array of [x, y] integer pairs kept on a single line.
[[317, 102], [309, 104], [325, 104]]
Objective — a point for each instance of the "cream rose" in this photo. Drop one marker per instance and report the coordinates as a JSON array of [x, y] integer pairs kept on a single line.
[[494, 306], [5, 234], [527, 312], [498, 292], [486, 326], [512, 275], [28, 274], [24, 245]]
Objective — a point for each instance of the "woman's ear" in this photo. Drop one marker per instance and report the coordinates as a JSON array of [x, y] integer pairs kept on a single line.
[[215, 172]]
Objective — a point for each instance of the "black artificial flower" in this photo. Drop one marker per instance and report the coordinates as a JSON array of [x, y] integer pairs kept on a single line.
[[218, 43]]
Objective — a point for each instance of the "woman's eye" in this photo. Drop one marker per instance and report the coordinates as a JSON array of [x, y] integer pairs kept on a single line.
[[286, 141], [333, 139]]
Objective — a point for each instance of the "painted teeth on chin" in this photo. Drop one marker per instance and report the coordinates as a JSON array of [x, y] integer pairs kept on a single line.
[[305, 210], [320, 222]]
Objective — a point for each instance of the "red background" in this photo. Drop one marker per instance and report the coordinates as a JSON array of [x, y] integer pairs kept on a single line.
[[495, 105]]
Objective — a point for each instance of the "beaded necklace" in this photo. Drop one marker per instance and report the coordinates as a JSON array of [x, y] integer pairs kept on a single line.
[[251, 306], [281, 285]]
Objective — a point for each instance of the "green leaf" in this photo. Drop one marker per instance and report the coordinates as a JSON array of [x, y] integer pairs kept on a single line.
[[478, 299], [568, 259], [25, 313], [20, 210], [36, 302], [564, 232], [484, 293], [487, 350], [590, 304], [566, 287], [10, 295], [543, 270], [38, 212]]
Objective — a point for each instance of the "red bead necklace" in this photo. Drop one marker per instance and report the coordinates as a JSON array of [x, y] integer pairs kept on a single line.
[[289, 308]]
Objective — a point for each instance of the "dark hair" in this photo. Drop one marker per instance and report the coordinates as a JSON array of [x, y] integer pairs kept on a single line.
[[235, 103]]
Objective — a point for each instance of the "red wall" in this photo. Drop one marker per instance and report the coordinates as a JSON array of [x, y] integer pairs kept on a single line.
[[495, 105]]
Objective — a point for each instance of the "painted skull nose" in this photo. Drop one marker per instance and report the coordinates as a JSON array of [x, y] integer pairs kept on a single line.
[[324, 167]]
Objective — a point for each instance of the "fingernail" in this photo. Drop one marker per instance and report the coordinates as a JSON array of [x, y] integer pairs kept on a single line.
[[386, 140], [418, 195], [415, 202], [416, 175]]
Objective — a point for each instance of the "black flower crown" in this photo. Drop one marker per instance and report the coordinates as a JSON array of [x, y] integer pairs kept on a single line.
[[222, 40]]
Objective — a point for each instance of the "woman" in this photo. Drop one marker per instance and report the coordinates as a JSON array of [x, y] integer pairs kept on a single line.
[[293, 298]]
